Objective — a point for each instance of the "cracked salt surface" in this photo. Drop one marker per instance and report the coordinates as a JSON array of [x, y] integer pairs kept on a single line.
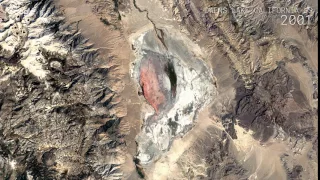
[[195, 89]]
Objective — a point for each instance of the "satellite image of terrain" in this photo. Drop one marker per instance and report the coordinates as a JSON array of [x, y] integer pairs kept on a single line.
[[158, 89]]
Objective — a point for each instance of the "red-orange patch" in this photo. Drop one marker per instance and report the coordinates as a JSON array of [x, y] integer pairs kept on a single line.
[[150, 85]]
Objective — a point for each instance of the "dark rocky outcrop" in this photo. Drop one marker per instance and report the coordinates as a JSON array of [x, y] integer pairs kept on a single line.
[[275, 101]]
